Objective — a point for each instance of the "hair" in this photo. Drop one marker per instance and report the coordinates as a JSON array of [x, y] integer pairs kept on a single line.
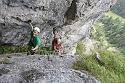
[[54, 41]]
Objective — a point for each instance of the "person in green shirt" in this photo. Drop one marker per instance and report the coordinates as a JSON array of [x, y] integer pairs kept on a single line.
[[34, 42]]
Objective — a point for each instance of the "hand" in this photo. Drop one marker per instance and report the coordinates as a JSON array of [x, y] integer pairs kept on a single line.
[[33, 49], [29, 21]]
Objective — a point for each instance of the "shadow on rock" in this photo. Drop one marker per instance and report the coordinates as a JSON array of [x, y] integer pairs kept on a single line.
[[3, 71], [32, 75]]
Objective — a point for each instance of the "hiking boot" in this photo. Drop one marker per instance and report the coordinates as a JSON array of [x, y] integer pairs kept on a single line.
[[32, 52], [28, 53], [61, 56]]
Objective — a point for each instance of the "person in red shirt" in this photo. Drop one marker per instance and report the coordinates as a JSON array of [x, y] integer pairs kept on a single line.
[[57, 45]]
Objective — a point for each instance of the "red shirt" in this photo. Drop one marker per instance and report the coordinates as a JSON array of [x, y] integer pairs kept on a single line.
[[57, 45]]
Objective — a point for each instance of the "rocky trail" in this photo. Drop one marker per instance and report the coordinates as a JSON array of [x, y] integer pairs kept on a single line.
[[20, 68]]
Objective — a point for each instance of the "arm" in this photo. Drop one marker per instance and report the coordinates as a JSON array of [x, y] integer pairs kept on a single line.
[[55, 48], [35, 47], [62, 48], [31, 25]]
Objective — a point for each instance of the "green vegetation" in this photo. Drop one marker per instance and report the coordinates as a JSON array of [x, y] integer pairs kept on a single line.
[[112, 72], [81, 48], [109, 28], [119, 8], [23, 49], [114, 16], [97, 32], [114, 30], [4, 61], [45, 51], [12, 49]]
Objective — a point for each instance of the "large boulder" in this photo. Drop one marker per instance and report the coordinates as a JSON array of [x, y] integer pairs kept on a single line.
[[70, 20]]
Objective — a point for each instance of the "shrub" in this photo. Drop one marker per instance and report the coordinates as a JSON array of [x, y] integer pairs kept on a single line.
[[80, 48]]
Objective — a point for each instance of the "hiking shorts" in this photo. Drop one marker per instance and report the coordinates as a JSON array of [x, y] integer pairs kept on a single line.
[[32, 52], [30, 44]]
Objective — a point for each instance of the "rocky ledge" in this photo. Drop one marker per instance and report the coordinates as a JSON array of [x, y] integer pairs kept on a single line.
[[20, 68]]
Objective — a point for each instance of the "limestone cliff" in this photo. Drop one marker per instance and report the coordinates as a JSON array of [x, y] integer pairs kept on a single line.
[[20, 68], [69, 19]]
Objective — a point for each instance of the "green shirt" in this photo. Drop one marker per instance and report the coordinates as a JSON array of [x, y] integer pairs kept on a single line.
[[34, 39]]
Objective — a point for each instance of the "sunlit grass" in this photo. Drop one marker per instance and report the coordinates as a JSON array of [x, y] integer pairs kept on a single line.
[[112, 72], [114, 16]]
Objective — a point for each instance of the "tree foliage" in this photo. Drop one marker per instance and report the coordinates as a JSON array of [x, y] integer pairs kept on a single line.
[[119, 8], [114, 31]]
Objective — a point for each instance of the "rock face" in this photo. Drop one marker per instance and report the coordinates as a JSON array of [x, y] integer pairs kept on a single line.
[[69, 19], [42, 69]]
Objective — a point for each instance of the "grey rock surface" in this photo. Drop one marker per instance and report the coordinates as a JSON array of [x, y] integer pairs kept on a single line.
[[69, 19], [42, 69]]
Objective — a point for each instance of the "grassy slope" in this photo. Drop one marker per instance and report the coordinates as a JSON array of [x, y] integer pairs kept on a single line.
[[113, 71], [114, 16]]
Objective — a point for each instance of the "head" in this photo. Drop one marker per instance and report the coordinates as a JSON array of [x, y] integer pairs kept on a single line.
[[36, 30], [59, 41]]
